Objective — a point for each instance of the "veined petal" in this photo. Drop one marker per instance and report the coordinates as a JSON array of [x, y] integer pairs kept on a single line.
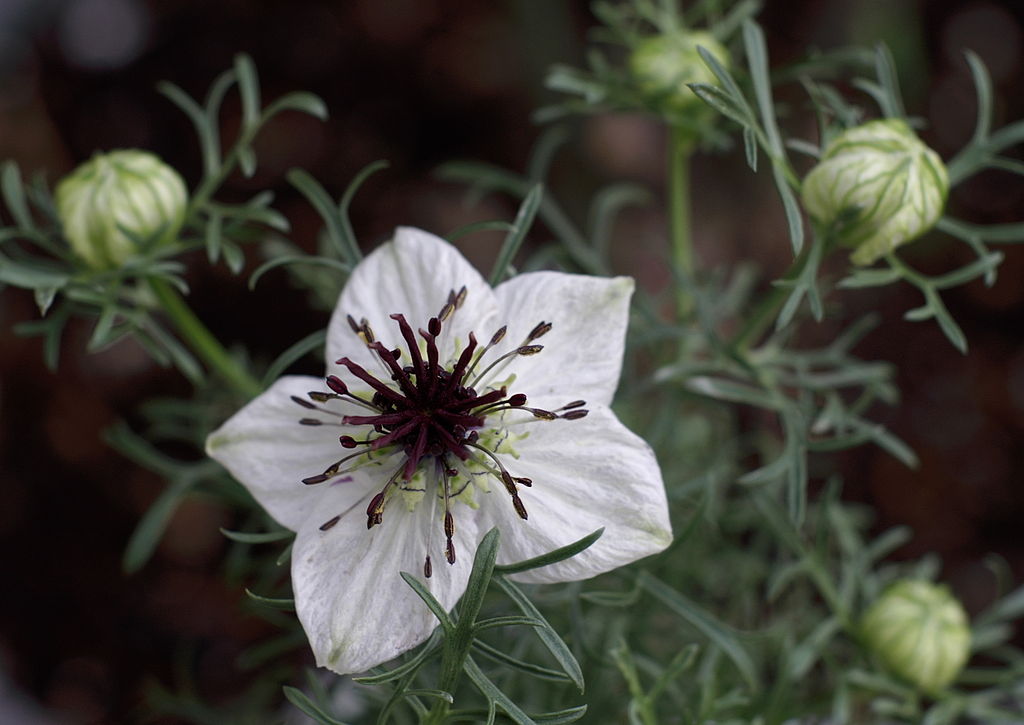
[[411, 275], [356, 609], [582, 356], [587, 474], [264, 446]]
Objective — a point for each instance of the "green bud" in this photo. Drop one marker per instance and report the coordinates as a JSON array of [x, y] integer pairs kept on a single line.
[[920, 633], [115, 200], [664, 64], [880, 184]]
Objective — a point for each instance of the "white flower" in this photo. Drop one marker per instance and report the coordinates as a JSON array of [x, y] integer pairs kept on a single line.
[[404, 466]]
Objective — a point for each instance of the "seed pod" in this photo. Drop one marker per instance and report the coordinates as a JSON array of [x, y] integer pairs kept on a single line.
[[920, 633], [663, 64], [117, 201], [880, 185]]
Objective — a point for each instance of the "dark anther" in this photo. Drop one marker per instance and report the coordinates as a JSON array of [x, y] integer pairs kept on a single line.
[[523, 480], [575, 414], [540, 330], [352, 323], [303, 403], [329, 523], [574, 404], [427, 568], [517, 504], [543, 414], [310, 421], [529, 349], [320, 397], [449, 551], [449, 525], [499, 335], [460, 297], [312, 480]]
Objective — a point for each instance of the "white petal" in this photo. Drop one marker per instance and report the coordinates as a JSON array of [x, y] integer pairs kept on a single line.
[[356, 609], [587, 474], [582, 356], [412, 276], [265, 448]]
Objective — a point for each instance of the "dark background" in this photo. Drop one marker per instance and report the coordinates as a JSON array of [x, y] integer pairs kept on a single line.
[[417, 82]]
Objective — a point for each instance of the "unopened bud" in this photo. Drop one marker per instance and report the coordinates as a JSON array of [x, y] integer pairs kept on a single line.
[[664, 64], [880, 185], [920, 632], [117, 201]]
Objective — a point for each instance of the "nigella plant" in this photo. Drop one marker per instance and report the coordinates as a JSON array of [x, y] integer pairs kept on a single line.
[[448, 408]]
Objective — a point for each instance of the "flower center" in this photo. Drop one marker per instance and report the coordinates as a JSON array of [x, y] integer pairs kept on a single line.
[[431, 414]]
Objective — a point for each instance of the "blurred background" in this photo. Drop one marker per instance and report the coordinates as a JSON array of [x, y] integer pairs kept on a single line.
[[418, 82]]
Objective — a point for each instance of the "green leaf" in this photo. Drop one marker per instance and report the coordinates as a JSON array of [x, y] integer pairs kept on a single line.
[[209, 139], [410, 667], [551, 639], [514, 239], [248, 537], [152, 525], [301, 101], [324, 205], [983, 88], [249, 89], [496, 655], [346, 201], [14, 196], [493, 694], [32, 275], [705, 623], [341, 267], [552, 557], [435, 606], [294, 353], [310, 708], [286, 604]]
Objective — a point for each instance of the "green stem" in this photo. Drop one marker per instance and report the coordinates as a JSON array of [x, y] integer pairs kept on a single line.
[[680, 149], [202, 341]]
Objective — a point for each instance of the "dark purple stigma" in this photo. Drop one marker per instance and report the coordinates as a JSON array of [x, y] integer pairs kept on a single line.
[[428, 411]]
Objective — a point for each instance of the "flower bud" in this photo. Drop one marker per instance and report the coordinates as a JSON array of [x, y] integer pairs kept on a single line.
[[920, 632], [114, 201], [880, 185], [664, 64]]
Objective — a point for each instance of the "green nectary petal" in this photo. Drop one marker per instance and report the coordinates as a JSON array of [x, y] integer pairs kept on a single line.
[[114, 201], [880, 184], [920, 633]]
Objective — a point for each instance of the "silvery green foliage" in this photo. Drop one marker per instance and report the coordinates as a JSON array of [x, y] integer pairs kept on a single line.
[[920, 632], [116, 202], [879, 185]]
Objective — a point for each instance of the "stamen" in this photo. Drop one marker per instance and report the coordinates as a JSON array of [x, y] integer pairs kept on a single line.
[[521, 350], [427, 568], [329, 523], [304, 403], [540, 330]]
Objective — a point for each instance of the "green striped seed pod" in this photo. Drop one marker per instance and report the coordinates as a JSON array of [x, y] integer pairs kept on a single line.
[[115, 201], [880, 185], [920, 633], [663, 64]]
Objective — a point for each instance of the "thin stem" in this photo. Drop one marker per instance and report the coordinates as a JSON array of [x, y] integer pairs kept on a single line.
[[680, 150], [202, 341]]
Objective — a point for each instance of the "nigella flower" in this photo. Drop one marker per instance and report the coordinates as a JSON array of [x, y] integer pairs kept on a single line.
[[448, 408]]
